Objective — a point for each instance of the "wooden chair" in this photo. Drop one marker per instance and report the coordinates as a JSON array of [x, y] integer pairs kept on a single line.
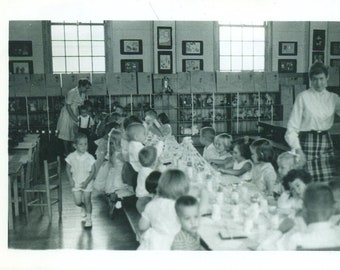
[[43, 191]]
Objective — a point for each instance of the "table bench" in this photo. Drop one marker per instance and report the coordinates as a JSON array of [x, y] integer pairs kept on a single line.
[[133, 217]]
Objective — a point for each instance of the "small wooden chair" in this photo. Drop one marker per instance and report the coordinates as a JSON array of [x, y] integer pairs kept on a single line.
[[52, 183]]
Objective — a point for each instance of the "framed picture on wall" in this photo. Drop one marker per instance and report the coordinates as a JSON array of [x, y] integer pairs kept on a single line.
[[164, 62], [191, 47], [131, 65], [335, 63], [192, 65], [20, 48], [287, 65], [318, 57], [287, 48], [164, 37], [319, 38], [131, 46], [21, 67], [335, 48]]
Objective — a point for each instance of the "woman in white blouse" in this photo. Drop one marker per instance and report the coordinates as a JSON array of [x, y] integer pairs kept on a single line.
[[311, 118]]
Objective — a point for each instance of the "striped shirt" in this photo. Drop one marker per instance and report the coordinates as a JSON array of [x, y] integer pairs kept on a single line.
[[186, 241]]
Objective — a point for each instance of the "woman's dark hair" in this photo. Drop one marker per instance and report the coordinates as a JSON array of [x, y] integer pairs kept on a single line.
[[151, 182], [110, 126], [264, 150], [318, 68], [163, 118], [84, 82], [243, 148], [296, 174], [131, 119]]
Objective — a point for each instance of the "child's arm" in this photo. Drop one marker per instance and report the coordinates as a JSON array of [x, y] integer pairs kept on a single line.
[[246, 168], [84, 184], [69, 174], [227, 161], [144, 224]]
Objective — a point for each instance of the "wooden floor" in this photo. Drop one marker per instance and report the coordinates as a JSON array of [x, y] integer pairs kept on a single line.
[[108, 232]]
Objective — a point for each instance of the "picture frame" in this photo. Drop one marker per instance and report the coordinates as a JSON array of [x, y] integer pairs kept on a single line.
[[164, 37], [318, 57], [131, 46], [189, 65], [131, 65], [335, 48], [20, 48], [21, 67], [335, 62], [319, 38], [165, 62], [192, 47], [288, 48], [287, 65]]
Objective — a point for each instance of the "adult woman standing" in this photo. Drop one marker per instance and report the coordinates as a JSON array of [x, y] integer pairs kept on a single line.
[[68, 119], [311, 118]]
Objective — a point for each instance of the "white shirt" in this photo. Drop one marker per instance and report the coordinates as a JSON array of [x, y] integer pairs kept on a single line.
[[210, 152], [237, 166], [84, 121], [142, 175], [133, 148], [264, 177], [312, 110]]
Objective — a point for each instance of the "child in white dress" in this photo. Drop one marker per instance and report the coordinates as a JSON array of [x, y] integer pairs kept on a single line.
[[80, 170], [263, 173], [242, 165], [159, 220], [222, 143]]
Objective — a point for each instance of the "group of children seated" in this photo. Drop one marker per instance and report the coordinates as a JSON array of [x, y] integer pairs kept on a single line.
[[127, 165]]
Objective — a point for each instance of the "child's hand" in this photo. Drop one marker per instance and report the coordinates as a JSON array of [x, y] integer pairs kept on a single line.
[[83, 185], [286, 225]]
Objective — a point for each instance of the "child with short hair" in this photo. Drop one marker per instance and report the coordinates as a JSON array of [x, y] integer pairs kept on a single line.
[[207, 136], [242, 164], [318, 207], [222, 143], [80, 170], [263, 173], [294, 183], [187, 210], [86, 123], [151, 124], [147, 158], [159, 221], [151, 183]]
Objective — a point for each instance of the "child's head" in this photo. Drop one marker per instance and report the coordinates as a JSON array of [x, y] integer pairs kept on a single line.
[[150, 116], [114, 117], [188, 213], [207, 135], [83, 110], [286, 162], [296, 181], [241, 151], [335, 187], [173, 184], [118, 109], [262, 151], [147, 156], [318, 203], [115, 139], [163, 118], [136, 132], [130, 120], [109, 126], [80, 143], [151, 182], [222, 142]]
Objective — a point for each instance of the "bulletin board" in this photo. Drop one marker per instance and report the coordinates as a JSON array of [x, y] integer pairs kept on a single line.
[[260, 84], [144, 83], [248, 85], [98, 85], [22, 85], [202, 81], [53, 84], [38, 85], [184, 80]]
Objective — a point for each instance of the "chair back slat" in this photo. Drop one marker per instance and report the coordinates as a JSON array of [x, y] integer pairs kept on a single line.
[[52, 172]]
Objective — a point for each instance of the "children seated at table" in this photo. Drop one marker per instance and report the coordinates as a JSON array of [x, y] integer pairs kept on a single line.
[[263, 173], [165, 128], [187, 210], [151, 124], [294, 183], [207, 137], [222, 143], [147, 158], [159, 221], [242, 165], [286, 162]]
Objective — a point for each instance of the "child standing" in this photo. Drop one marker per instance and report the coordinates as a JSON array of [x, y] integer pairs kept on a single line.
[[147, 158], [263, 173], [207, 136], [187, 210], [242, 165], [80, 170], [86, 123], [159, 221]]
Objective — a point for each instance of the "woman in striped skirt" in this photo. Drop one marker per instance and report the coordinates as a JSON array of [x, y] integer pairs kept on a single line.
[[311, 118]]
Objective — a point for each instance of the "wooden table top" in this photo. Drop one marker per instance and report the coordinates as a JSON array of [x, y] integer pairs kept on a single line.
[[14, 163]]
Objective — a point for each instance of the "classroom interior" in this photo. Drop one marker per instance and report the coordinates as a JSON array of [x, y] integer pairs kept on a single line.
[[241, 79]]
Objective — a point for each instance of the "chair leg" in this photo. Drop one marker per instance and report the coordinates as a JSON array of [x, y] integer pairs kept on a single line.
[[26, 206], [60, 201], [41, 200], [49, 206]]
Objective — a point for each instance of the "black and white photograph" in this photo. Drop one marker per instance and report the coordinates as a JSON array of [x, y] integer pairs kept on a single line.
[[203, 127]]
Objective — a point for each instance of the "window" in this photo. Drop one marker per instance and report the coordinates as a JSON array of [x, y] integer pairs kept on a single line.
[[242, 47], [78, 47]]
